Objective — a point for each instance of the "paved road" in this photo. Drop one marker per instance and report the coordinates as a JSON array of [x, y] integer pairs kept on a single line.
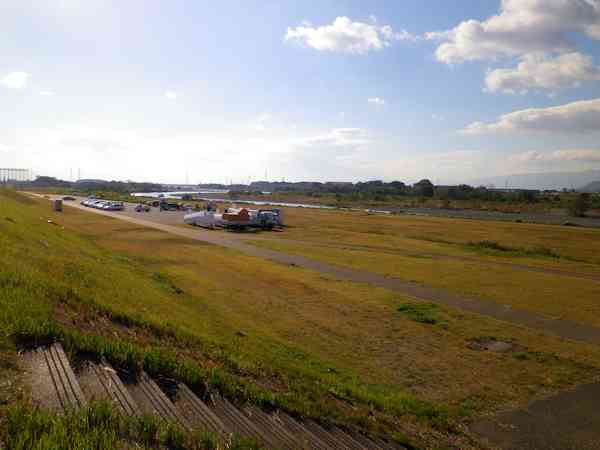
[[566, 421]]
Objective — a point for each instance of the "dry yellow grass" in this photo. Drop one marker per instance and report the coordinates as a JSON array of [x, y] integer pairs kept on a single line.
[[353, 325], [408, 248]]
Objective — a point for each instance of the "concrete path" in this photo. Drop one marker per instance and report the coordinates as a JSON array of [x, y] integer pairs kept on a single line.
[[559, 327], [566, 421]]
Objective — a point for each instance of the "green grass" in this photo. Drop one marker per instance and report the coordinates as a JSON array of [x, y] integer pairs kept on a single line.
[[421, 312], [57, 285], [256, 331], [495, 248], [98, 426]]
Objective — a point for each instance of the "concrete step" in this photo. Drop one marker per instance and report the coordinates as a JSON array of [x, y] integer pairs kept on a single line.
[[54, 386], [307, 438], [101, 382], [53, 383], [196, 412], [236, 421], [152, 400], [353, 440], [369, 443], [324, 434], [283, 438]]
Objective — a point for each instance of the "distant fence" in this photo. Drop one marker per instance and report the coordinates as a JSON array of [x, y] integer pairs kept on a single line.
[[8, 175]]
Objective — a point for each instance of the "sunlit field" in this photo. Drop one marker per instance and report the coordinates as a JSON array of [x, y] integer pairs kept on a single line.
[[475, 258], [330, 349]]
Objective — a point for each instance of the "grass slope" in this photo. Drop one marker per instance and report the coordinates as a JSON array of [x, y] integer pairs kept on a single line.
[[261, 332]]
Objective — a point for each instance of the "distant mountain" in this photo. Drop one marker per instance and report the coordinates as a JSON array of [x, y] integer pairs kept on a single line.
[[594, 186], [549, 180]]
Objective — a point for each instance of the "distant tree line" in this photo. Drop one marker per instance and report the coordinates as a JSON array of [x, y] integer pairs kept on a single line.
[[380, 191], [95, 185], [577, 203]]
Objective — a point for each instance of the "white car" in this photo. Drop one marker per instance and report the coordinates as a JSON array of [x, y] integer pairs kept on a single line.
[[113, 206], [99, 204]]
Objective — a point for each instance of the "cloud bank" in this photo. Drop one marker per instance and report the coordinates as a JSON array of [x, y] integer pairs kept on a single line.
[[560, 156], [577, 117], [541, 34], [539, 71]]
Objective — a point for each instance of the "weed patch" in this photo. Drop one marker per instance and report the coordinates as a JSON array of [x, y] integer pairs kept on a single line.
[[166, 283], [495, 248], [426, 313], [96, 426]]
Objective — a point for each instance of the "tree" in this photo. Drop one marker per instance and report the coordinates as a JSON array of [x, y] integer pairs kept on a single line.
[[580, 205], [424, 188]]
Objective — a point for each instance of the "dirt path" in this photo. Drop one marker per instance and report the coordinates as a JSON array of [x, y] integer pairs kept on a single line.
[[560, 327]]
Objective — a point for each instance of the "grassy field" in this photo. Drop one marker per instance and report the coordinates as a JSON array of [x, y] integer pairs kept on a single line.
[[264, 332], [464, 256]]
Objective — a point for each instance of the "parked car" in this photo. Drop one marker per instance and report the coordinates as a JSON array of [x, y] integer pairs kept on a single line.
[[142, 208], [98, 204], [68, 198], [113, 206], [164, 206]]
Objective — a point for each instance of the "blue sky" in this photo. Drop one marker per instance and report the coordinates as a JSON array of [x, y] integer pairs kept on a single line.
[[329, 90]]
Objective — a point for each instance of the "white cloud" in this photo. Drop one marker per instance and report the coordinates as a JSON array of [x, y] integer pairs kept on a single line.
[[574, 155], [337, 138], [15, 80], [346, 36], [539, 71], [521, 27], [171, 95], [377, 101], [47, 93], [261, 122], [577, 117]]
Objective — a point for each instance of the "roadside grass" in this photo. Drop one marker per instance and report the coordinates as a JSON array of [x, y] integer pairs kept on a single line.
[[99, 426], [257, 331]]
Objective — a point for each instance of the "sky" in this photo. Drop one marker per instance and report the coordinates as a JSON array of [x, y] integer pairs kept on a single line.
[[340, 90]]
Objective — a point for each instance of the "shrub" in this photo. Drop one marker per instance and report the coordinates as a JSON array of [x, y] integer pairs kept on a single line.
[[580, 205]]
